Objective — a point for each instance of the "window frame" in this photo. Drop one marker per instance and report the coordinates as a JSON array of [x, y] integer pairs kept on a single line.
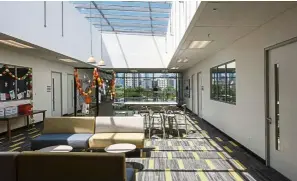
[[216, 77], [15, 67]]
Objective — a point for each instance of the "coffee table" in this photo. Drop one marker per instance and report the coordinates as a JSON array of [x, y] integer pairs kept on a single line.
[[57, 148], [120, 148]]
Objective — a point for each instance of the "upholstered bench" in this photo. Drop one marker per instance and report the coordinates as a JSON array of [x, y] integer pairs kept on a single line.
[[75, 166], [73, 131], [112, 130]]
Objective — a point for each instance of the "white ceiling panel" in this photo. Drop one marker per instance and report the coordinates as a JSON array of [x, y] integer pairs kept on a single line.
[[241, 13]]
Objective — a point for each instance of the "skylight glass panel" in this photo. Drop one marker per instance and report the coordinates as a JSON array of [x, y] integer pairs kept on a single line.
[[127, 16]]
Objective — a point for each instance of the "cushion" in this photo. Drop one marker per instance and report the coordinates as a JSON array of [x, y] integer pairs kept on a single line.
[[118, 124], [74, 140], [102, 140], [69, 125], [73, 166], [8, 168], [130, 174]]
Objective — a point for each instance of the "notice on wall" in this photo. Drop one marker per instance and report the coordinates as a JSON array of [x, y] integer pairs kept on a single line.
[[20, 95], [3, 97], [12, 95], [85, 108]]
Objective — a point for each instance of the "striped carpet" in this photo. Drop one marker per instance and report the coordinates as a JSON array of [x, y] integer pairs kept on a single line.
[[204, 154]]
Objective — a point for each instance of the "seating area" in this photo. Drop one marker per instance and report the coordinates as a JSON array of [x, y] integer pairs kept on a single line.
[[90, 132], [204, 153]]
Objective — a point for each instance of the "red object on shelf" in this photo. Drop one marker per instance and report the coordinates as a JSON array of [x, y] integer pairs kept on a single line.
[[25, 109]]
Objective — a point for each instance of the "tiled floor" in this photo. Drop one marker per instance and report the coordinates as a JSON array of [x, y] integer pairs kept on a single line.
[[204, 154]]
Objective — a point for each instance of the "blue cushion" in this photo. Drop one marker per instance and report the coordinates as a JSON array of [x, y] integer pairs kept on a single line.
[[74, 140], [130, 174]]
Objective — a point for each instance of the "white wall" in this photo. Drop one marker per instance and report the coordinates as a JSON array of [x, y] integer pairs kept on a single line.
[[134, 51], [41, 79], [245, 121], [25, 20], [182, 13]]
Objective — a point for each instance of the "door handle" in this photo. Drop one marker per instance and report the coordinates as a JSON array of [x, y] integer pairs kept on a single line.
[[269, 120]]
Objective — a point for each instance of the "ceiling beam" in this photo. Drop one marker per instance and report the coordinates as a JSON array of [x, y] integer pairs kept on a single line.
[[102, 14]]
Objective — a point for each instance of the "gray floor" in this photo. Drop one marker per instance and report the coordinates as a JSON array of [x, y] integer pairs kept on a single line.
[[204, 154]]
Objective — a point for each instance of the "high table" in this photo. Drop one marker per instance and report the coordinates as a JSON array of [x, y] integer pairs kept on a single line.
[[15, 116]]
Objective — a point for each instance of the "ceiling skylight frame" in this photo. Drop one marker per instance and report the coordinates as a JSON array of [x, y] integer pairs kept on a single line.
[[136, 14]]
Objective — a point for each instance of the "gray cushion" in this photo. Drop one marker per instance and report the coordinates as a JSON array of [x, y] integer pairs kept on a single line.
[[74, 140], [129, 174], [8, 166]]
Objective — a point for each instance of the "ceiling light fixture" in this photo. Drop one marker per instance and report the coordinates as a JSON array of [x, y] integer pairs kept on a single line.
[[91, 59], [175, 68], [179, 60], [101, 63], [14, 44], [199, 44], [186, 60], [68, 60]]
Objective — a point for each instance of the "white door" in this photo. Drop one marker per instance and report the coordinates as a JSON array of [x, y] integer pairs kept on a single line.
[[283, 109], [200, 90], [56, 94], [195, 95], [70, 94]]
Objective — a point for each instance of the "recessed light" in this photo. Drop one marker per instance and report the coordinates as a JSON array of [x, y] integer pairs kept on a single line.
[[67, 60], [186, 60], [14, 44], [179, 60], [175, 68], [199, 44]]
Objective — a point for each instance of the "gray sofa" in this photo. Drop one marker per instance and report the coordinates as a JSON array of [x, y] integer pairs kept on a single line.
[[73, 131]]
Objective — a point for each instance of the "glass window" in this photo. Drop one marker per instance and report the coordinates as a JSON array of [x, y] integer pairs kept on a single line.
[[14, 83], [146, 87], [223, 82]]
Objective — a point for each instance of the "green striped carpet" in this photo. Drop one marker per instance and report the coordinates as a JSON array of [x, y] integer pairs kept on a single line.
[[203, 155]]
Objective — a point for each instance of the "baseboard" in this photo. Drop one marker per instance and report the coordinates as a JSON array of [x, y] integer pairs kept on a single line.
[[232, 139]]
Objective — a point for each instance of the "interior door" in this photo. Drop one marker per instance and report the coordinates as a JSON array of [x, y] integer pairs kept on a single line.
[[282, 109], [70, 94], [191, 93], [200, 90], [195, 95], [56, 94]]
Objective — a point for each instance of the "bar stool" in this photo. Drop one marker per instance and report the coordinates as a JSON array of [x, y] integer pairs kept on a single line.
[[155, 113], [170, 117]]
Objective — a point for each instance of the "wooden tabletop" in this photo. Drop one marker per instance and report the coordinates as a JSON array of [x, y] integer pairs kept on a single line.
[[20, 115]]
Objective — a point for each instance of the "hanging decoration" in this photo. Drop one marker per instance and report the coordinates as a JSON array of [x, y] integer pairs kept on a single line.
[[112, 85], [92, 86], [7, 71]]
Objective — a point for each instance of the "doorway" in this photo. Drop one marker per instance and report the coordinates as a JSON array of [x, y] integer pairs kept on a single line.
[[56, 94], [281, 106], [195, 94], [70, 94], [199, 93]]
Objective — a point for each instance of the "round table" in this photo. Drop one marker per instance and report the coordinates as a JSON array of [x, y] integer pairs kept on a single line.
[[57, 148], [120, 148]]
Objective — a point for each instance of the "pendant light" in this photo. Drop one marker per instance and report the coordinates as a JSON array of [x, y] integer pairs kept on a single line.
[[91, 59], [101, 62]]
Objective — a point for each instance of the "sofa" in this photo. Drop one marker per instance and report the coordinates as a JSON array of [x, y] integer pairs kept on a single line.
[[112, 130], [73, 131], [90, 132], [74, 166]]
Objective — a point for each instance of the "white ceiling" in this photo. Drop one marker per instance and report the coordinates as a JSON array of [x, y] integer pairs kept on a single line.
[[224, 23], [40, 52]]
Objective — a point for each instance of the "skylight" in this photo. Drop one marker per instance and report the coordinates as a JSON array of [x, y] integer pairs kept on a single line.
[[132, 17]]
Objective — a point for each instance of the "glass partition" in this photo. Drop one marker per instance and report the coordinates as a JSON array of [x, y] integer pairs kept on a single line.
[[147, 87]]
